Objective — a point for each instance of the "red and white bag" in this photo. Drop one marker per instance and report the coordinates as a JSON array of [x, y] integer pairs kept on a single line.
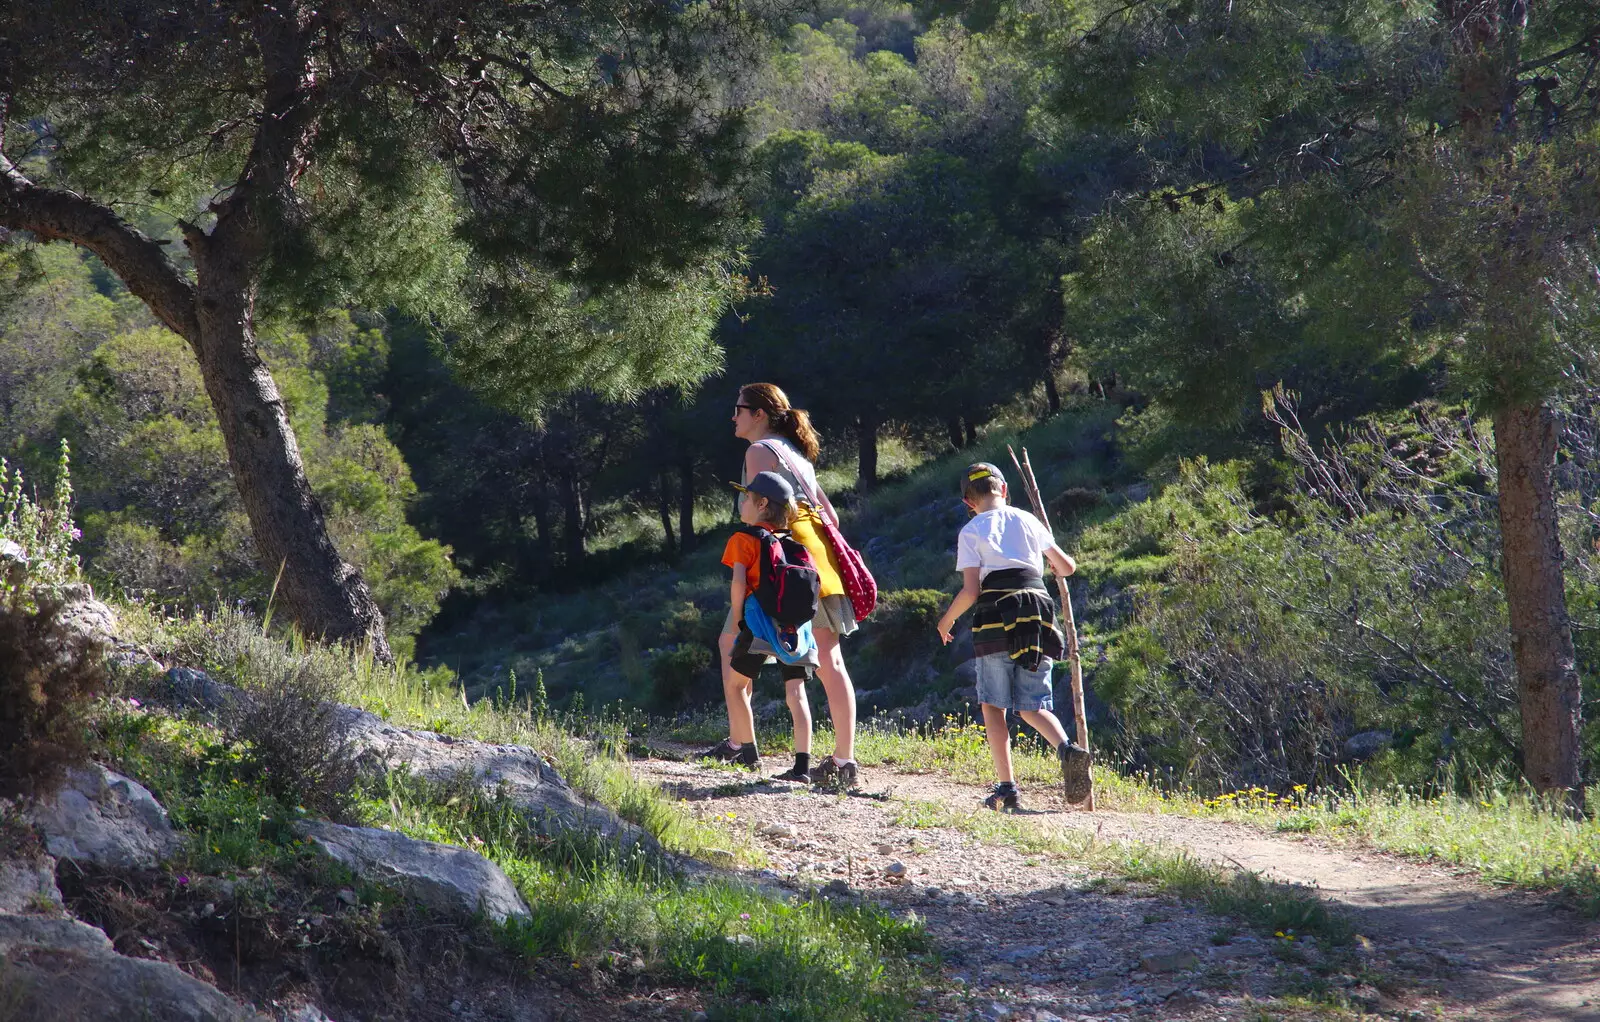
[[858, 582]]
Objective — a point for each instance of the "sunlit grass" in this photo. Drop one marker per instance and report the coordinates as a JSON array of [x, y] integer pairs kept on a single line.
[[1507, 835], [1281, 910], [758, 956]]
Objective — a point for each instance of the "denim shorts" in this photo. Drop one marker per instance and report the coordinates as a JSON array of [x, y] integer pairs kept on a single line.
[[1007, 684]]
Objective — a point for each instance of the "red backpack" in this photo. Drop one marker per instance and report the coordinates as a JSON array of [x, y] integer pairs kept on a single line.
[[788, 586]]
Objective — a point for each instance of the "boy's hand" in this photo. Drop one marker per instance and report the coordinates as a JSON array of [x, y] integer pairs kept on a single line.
[[944, 631]]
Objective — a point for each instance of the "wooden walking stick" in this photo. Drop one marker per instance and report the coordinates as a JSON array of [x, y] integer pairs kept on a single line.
[[1074, 662]]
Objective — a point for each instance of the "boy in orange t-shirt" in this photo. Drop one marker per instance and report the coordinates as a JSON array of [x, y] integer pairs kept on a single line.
[[767, 501]]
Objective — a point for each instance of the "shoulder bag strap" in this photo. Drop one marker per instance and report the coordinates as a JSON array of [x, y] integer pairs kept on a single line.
[[799, 477]]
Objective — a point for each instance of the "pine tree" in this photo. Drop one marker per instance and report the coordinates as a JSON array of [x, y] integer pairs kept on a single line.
[[547, 186]]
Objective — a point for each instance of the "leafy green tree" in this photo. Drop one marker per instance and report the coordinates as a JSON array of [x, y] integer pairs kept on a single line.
[[1418, 177], [548, 185]]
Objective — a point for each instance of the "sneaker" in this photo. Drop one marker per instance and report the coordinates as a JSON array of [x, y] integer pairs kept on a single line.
[[793, 774], [724, 752], [1075, 762], [830, 773], [1004, 796]]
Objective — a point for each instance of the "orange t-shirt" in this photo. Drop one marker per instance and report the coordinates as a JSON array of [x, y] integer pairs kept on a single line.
[[744, 549]]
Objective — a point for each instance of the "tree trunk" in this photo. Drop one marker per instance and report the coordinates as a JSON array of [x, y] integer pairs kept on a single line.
[[1051, 393], [1541, 634], [972, 433], [953, 427], [686, 502], [664, 508], [867, 465], [326, 596], [572, 507]]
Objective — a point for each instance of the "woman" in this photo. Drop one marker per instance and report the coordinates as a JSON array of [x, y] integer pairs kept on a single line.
[[782, 440]]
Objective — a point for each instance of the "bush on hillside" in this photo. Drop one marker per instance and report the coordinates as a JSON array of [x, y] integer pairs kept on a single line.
[[49, 673], [289, 714], [1260, 643]]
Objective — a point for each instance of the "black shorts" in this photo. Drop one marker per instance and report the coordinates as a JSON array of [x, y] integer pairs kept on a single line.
[[749, 664]]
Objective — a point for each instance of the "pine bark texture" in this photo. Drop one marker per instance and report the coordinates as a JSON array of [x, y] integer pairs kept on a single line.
[[1541, 634]]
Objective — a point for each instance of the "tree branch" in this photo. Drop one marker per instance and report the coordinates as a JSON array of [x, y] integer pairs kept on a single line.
[[55, 214]]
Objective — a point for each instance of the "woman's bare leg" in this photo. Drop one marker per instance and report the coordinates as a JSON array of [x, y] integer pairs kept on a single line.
[[800, 710], [994, 729], [841, 694]]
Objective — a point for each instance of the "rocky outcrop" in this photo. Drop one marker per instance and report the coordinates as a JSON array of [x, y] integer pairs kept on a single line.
[[100, 817], [28, 885], [64, 970], [448, 879], [531, 784], [83, 614]]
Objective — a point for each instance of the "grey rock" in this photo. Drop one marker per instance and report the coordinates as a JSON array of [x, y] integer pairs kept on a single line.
[[192, 689], [10, 551], [532, 785], [83, 614], [1176, 961], [28, 885], [59, 968], [779, 830], [100, 817], [303, 1013], [449, 879], [1366, 745], [837, 887], [885, 849]]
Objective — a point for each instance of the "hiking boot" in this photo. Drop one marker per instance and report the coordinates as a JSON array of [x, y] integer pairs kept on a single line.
[[1004, 796], [794, 773], [724, 752], [1074, 761], [830, 773]]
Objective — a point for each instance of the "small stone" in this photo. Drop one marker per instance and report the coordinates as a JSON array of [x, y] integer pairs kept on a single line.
[[779, 830], [348, 896], [742, 939], [1177, 961], [895, 873], [886, 849], [1022, 954], [840, 887]]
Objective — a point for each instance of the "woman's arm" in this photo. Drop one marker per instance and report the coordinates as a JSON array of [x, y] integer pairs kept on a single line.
[[759, 458], [962, 602]]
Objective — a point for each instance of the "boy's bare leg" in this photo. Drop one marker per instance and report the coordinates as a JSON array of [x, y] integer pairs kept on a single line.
[[1047, 724], [841, 694], [741, 719], [736, 689], [800, 710], [994, 728]]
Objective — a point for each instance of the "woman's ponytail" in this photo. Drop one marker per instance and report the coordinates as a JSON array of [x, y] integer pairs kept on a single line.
[[793, 424], [798, 429]]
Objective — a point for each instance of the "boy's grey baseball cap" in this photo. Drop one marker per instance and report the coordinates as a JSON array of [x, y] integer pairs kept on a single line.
[[770, 485], [980, 470]]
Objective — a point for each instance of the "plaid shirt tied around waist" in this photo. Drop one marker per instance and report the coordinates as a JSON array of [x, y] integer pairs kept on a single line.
[[1015, 615]]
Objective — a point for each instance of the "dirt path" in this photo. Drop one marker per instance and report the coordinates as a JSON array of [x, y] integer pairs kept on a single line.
[[1037, 937]]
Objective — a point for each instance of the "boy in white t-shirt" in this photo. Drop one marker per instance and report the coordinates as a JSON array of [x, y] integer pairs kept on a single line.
[[1014, 636]]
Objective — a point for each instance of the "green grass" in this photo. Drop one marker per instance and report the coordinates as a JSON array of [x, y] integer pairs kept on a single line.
[[1280, 910], [757, 956]]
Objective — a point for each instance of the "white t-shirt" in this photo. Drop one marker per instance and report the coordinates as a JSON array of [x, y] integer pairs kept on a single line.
[[1007, 537]]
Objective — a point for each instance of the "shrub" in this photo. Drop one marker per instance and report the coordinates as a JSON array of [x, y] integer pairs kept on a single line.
[[674, 671], [48, 675], [903, 622], [288, 714]]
